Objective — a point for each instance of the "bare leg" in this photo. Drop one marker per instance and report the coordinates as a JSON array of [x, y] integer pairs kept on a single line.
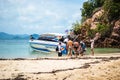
[[69, 52], [76, 52], [92, 52]]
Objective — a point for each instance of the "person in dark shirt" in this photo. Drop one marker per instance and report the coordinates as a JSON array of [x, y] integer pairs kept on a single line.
[[83, 48]]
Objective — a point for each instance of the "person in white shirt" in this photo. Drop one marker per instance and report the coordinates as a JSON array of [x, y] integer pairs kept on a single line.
[[65, 40], [59, 49], [92, 46]]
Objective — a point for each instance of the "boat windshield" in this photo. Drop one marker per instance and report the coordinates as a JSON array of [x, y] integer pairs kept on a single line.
[[49, 37]]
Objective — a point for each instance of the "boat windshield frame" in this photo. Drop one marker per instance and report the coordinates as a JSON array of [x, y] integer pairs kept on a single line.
[[50, 37]]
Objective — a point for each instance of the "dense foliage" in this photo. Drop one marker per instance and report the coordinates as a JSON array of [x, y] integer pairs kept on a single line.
[[112, 9], [77, 27], [103, 24], [89, 7], [112, 12]]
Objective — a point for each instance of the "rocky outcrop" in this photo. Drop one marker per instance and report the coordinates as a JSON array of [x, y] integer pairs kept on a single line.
[[114, 38], [94, 20], [116, 31]]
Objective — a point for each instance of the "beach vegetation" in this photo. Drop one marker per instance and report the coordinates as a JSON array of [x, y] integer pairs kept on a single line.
[[105, 23]]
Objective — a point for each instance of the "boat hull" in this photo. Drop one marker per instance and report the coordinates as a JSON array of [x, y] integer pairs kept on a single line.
[[46, 46]]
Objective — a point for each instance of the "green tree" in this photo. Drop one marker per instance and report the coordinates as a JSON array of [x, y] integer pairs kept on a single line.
[[76, 27], [112, 9], [103, 29], [98, 3], [87, 9]]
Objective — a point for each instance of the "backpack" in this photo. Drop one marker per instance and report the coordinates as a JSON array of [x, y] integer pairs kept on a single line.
[[83, 46], [57, 48]]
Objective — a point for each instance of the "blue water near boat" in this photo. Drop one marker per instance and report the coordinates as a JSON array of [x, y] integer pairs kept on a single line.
[[20, 49]]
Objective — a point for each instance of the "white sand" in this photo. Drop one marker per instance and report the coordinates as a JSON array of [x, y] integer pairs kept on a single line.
[[87, 68]]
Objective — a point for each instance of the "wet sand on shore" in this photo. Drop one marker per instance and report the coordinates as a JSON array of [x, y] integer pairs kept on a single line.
[[99, 67]]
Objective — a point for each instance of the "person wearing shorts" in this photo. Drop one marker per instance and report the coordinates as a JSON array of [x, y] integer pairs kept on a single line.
[[69, 47], [92, 47], [76, 48]]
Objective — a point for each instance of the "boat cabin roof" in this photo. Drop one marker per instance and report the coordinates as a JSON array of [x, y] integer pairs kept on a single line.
[[51, 36], [54, 34]]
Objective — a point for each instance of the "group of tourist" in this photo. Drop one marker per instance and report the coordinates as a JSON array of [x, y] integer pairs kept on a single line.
[[75, 48]]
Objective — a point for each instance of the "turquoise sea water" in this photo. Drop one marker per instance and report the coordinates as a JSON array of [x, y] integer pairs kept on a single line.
[[21, 49]]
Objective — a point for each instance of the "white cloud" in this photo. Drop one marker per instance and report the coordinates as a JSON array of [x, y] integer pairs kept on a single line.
[[27, 9], [23, 18], [57, 27], [29, 19], [52, 14], [17, 1], [39, 15], [76, 15], [30, 8]]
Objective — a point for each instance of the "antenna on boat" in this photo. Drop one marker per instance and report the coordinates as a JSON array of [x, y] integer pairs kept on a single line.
[[75, 38]]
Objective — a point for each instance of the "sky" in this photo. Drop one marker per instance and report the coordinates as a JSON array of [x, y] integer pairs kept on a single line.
[[38, 16]]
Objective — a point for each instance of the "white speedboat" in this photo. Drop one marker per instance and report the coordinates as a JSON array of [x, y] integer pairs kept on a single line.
[[48, 42]]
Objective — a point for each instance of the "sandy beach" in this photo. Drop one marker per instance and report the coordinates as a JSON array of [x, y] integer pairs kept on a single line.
[[98, 67]]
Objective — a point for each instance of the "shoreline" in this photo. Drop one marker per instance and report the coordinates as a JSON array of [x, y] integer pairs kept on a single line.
[[61, 68], [65, 57]]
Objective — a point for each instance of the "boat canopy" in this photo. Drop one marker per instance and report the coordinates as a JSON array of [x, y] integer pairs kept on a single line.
[[51, 36]]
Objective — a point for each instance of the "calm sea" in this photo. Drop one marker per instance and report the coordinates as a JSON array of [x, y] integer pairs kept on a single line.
[[21, 49]]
